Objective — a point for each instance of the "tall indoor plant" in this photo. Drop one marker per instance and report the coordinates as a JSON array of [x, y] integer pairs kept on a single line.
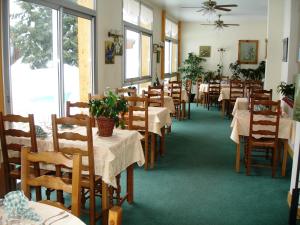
[[108, 113]]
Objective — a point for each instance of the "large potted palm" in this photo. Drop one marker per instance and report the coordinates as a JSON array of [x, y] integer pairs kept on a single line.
[[108, 113], [192, 69]]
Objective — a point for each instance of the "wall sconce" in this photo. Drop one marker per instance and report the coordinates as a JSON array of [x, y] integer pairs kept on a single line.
[[158, 46], [115, 34]]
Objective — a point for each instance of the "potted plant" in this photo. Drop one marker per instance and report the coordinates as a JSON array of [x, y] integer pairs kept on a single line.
[[192, 69], [287, 90], [107, 113]]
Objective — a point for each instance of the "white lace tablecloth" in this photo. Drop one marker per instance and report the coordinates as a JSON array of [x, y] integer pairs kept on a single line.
[[112, 155], [241, 124], [46, 211], [224, 94], [240, 104], [158, 117]]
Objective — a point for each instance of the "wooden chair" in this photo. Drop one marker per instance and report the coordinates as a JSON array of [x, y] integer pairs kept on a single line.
[[175, 93], [155, 95], [126, 91], [52, 182], [72, 109], [225, 79], [139, 106], [188, 88], [99, 97], [237, 90], [198, 97], [260, 94], [214, 88], [263, 134], [89, 182], [11, 150], [252, 85]]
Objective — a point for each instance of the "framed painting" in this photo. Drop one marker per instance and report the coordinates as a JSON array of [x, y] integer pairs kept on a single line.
[[285, 43], [204, 51], [109, 52], [248, 52]]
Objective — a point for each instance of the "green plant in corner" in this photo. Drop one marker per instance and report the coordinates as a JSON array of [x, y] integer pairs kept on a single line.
[[110, 107], [192, 68], [287, 90]]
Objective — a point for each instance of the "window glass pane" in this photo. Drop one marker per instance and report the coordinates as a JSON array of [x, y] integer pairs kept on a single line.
[[174, 57], [132, 49], [77, 51], [174, 31], [168, 28], [86, 3], [146, 55], [167, 57], [34, 66], [131, 11], [146, 17]]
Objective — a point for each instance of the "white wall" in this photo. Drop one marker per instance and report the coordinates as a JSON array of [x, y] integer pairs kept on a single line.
[[109, 16], [195, 35], [275, 33]]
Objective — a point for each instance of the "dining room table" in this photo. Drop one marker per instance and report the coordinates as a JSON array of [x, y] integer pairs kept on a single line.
[[240, 126], [112, 156], [49, 215]]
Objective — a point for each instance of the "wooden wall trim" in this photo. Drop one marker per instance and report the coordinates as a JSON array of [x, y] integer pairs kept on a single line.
[[179, 42], [163, 38], [1, 66]]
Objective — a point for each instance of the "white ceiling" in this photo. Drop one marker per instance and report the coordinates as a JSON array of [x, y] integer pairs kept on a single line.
[[246, 10]]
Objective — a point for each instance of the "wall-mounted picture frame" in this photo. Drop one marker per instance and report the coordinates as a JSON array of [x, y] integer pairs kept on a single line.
[[118, 42], [205, 51], [248, 52], [109, 52], [285, 43]]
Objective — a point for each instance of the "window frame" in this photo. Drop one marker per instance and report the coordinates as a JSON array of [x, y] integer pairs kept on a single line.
[[141, 31], [61, 7], [172, 41]]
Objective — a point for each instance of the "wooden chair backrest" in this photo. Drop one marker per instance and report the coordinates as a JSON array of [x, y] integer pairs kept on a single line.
[[77, 106], [126, 91], [115, 216], [138, 106], [155, 96], [214, 87], [188, 86], [52, 182], [225, 78], [237, 90], [70, 137], [8, 130], [264, 120], [175, 91], [252, 85], [98, 97]]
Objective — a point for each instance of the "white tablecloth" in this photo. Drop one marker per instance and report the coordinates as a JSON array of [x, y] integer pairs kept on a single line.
[[112, 155], [240, 104], [168, 103], [46, 211], [224, 94], [241, 124], [158, 117]]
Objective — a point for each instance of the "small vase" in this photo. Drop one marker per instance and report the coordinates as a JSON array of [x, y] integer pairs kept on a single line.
[[105, 126]]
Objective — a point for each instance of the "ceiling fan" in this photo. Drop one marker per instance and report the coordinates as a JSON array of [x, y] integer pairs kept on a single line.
[[211, 7], [219, 24]]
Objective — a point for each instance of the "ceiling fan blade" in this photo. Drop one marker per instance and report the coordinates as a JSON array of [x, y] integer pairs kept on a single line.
[[223, 9], [229, 24], [232, 5], [207, 24], [192, 7]]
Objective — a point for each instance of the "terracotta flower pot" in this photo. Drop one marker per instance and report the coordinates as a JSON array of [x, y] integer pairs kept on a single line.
[[105, 126]]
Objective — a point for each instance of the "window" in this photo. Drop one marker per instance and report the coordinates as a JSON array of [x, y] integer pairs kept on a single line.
[[171, 48], [47, 67], [138, 24]]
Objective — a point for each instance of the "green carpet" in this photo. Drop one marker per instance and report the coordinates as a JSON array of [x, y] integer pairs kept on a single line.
[[196, 184]]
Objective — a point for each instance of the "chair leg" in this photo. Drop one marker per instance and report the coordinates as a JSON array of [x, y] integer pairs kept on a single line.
[[146, 152], [274, 162], [248, 156], [92, 206]]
